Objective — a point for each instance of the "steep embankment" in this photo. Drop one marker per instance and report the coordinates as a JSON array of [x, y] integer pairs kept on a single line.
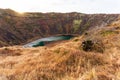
[[66, 60], [18, 28]]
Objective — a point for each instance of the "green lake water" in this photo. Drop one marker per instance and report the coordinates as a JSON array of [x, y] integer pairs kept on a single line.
[[43, 41]]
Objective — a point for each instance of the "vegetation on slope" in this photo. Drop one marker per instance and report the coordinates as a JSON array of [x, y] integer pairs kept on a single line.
[[18, 28], [64, 61], [93, 55]]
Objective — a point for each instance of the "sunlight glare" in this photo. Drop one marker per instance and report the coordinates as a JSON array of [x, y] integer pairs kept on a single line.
[[20, 12]]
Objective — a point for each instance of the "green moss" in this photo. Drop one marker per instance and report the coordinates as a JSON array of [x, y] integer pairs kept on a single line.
[[76, 25], [108, 32], [85, 26]]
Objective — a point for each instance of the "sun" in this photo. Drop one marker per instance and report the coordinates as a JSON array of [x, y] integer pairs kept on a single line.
[[21, 12]]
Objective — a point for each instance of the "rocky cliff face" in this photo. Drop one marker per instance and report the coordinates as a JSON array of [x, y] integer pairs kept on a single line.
[[18, 28]]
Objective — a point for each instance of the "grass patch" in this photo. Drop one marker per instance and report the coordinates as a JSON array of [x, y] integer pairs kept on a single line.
[[108, 32], [76, 39], [57, 50], [76, 25]]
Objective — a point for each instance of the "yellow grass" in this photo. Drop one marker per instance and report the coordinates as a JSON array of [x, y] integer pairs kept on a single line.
[[64, 61]]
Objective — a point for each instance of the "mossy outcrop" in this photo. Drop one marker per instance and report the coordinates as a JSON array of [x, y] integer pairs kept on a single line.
[[91, 45]]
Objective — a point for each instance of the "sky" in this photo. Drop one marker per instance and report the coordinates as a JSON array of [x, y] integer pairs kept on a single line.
[[83, 6]]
